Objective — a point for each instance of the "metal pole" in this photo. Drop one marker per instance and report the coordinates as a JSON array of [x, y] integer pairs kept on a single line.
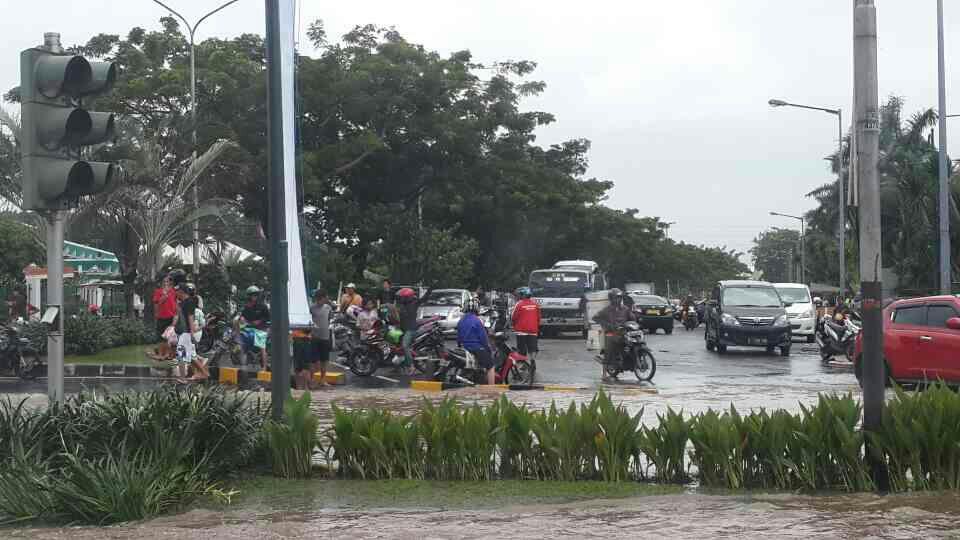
[[944, 167], [280, 381], [867, 122], [841, 208], [55, 300], [803, 252], [196, 191]]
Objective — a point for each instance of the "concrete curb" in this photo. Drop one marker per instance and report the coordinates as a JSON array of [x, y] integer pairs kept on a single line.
[[436, 386]]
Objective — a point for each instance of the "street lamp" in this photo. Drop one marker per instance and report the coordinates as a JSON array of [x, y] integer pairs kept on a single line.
[[193, 118], [803, 248], [841, 221], [666, 229]]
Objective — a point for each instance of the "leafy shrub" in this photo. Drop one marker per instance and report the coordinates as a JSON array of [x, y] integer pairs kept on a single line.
[[128, 331], [106, 458], [36, 332], [87, 334], [293, 441]]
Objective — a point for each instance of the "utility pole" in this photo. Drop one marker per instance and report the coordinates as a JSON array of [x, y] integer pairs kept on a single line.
[[867, 124], [944, 166]]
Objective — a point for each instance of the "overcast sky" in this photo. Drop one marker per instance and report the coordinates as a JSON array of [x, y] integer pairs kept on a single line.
[[673, 94]]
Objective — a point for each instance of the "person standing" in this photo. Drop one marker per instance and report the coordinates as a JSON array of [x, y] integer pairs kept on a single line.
[[526, 323], [185, 325], [350, 298], [164, 304], [320, 343], [472, 336]]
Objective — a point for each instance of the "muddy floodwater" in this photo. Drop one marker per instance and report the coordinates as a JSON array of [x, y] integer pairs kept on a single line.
[[688, 378], [337, 509]]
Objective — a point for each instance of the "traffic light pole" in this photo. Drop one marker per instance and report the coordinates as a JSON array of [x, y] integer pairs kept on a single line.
[[55, 224]]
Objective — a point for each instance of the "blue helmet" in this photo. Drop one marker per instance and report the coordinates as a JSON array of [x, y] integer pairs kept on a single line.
[[524, 292]]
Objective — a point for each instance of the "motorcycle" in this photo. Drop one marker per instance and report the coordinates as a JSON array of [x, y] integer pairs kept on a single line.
[[635, 357], [382, 346], [836, 338], [345, 333], [510, 367], [217, 323], [16, 354], [690, 319]]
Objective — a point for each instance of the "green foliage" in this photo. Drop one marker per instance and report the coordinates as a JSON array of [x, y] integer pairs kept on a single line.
[[87, 334], [292, 441], [776, 253], [123, 456], [821, 448], [19, 248], [920, 439]]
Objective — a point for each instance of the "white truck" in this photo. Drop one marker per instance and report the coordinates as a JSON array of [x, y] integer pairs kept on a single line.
[[561, 291]]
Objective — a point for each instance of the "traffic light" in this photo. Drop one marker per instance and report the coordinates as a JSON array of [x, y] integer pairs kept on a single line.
[[55, 127]]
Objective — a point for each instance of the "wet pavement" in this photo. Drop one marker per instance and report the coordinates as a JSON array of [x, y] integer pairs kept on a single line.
[[688, 378]]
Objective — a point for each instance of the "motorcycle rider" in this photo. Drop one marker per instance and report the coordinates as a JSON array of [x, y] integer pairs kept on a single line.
[[610, 319], [407, 306], [255, 316], [472, 336], [685, 305], [526, 322], [350, 298]]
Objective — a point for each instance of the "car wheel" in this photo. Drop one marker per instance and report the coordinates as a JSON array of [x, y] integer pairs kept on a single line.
[[668, 331], [858, 372], [784, 351], [721, 348], [771, 350], [811, 338]]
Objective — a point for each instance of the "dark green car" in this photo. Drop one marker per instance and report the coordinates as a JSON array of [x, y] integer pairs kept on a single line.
[[653, 312]]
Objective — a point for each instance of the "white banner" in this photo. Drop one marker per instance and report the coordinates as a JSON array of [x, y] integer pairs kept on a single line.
[[298, 302]]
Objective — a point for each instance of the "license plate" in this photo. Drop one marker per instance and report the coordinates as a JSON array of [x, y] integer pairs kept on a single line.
[[758, 341], [652, 312]]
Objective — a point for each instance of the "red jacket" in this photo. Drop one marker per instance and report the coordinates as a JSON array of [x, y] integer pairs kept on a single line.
[[166, 308], [526, 317]]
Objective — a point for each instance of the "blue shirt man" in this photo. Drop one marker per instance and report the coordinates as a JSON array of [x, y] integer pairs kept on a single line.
[[472, 336]]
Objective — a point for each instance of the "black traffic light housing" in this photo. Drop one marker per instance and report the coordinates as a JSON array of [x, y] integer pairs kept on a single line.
[[56, 127]]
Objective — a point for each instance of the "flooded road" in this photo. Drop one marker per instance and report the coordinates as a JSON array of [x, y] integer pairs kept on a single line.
[[680, 516], [688, 378]]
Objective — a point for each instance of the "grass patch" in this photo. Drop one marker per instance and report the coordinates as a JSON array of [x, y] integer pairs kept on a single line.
[[269, 492], [129, 355]]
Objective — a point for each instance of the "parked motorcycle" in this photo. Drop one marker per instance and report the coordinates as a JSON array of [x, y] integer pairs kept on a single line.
[[382, 346], [635, 357], [511, 367], [16, 354], [217, 323], [690, 318], [346, 334], [836, 338]]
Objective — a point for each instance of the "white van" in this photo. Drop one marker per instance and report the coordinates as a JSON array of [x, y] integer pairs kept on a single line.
[[801, 312]]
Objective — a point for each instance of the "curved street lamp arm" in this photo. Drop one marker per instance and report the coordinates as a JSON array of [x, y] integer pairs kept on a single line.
[[179, 16], [212, 12]]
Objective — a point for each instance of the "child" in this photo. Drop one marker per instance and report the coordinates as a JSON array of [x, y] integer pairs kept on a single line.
[[368, 318]]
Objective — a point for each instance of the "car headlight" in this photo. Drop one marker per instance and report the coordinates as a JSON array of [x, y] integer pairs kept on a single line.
[[780, 321], [808, 314], [668, 311], [726, 318]]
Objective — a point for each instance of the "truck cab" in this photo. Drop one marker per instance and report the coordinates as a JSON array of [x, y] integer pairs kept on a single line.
[[560, 292]]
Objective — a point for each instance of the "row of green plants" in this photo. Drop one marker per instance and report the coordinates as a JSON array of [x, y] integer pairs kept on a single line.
[[86, 334], [821, 447], [120, 457]]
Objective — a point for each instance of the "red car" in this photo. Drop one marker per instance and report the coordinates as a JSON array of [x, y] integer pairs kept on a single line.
[[921, 340]]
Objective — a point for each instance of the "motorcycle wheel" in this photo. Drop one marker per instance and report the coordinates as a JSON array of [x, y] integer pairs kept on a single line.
[[364, 361], [851, 351], [646, 366], [27, 363], [611, 371], [521, 373]]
